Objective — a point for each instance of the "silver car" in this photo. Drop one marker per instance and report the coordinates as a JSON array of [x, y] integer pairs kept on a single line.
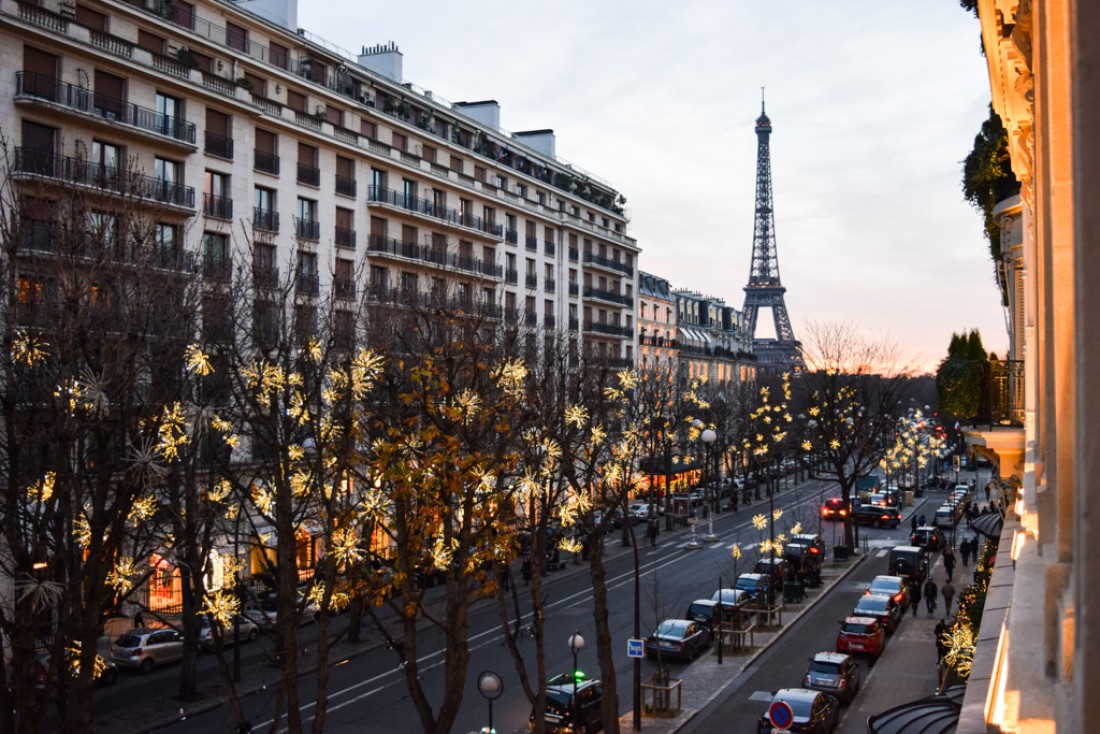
[[249, 631], [143, 649]]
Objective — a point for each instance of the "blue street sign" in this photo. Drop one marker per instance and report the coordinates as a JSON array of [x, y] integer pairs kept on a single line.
[[635, 648]]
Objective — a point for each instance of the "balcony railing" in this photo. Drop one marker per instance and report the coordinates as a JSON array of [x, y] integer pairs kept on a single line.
[[345, 186], [548, 248], [1006, 392], [574, 289], [549, 321], [511, 236], [39, 237], [593, 259], [424, 253], [511, 276], [220, 207], [309, 175], [427, 207], [265, 277], [532, 243], [30, 84], [307, 229], [115, 180], [344, 289], [608, 329], [218, 145], [345, 238], [532, 280], [266, 220], [217, 267], [307, 284], [112, 44], [608, 296], [574, 254], [42, 17], [550, 285], [266, 162]]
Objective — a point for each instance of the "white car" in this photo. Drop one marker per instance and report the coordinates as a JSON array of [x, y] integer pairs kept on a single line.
[[249, 631], [639, 511], [265, 613]]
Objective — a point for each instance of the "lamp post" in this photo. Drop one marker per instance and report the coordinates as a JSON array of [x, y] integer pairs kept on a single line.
[[708, 437], [490, 686], [576, 644]]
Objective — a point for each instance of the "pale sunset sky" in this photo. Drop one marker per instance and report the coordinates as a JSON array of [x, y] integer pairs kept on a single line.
[[873, 104]]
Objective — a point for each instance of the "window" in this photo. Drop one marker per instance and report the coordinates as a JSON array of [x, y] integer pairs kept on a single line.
[[278, 55], [307, 209], [236, 37], [216, 200], [368, 130], [479, 173], [334, 115], [399, 141], [169, 109], [439, 202], [89, 18], [264, 199], [456, 164], [308, 279], [110, 91], [219, 138], [150, 41], [427, 152], [167, 237], [540, 197], [343, 279], [408, 192], [103, 229], [307, 226], [167, 172], [267, 152], [107, 156], [345, 176], [345, 227], [308, 171], [215, 256], [296, 100], [377, 181]]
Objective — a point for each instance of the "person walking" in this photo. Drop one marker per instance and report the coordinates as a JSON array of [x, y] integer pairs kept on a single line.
[[941, 644], [964, 548], [948, 591], [931, 591], [914, 596], [913, 523], [949, 561]]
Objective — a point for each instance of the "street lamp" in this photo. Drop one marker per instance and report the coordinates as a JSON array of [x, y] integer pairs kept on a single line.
[[490, 686], [708, 437], [576, 644]]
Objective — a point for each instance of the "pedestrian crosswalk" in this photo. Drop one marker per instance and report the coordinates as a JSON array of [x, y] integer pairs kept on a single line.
[[721, 545]]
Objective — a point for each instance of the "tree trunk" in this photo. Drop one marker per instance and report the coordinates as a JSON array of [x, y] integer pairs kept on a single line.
[[604, 653]]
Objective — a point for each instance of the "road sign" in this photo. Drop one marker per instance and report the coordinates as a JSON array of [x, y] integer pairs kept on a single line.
[[781, 715], [635, 648]]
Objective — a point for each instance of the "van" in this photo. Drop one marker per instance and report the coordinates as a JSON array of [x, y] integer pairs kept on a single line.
[[909, 562], [561, 708], [945, 517]]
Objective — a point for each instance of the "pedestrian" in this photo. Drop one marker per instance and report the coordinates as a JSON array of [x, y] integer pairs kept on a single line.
[[987, 489], [949, 561], [505, 576], [948, 591], [139, 621], [915, 597], [526, 569], [941, 643], [651, 531], [931, 591], [964, 547], [913, 523], [922, 521]]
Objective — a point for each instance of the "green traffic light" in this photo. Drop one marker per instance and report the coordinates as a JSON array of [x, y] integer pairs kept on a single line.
[[578, 674]]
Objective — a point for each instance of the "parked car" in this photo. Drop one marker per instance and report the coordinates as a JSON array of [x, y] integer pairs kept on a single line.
[[560, 708], [803, 562], [758, 586], [143, 649], [265, 612], [834, 509], [775, 568], [811, 539], [249, 631], [814, 711], [639, 511], [862, 635], [882, 607], [708, 611], [678, 638], [877, 516], [834, 673], [106, 676], [893, 586], [928, 537], [910, 562]]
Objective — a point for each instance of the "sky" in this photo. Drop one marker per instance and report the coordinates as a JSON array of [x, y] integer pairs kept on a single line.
[[874, 104]]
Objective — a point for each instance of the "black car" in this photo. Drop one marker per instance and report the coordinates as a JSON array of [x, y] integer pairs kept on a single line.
[[835, 673], [776, 569], [881, 607], [814, 711], [804, 562], [910, 562], [927, 537], [877, 516], [560, 707], [682, 639], [709, 611]]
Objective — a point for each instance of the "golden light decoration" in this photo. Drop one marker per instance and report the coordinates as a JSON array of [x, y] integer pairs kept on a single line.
[[442, 553], [796, 529], [570, 545], [221, 605], [173, 431], [197, 361], [512, 376], [576, 415], [628, 379], [295, 452], [759, 522], [736, 551], [262, 499], [300, 483], [314, 351], [777, 513], [346, 547], [42, 490], [28, 349], [807, 446], [72, 659], [470, 403], [143, 508], [960, 649], [598, 435], [121, 576], [82, 531]]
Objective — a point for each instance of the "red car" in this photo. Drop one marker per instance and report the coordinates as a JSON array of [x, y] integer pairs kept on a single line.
[[861, 635], [834, 509]]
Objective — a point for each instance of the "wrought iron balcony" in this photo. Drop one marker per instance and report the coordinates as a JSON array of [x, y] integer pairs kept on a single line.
[[32, 85], [532, 280], [617, 265], [218, 145], [345, 238], [307, 229], [220, 207], [1006, 392], [609, 329], [532, 243], [608, 296], [379, 245], [344, 289], [574, 254], [266, 162], [265, 277], [309, 175], [217, 267], [307, 284], [266, 220], [345, 186], [29, 161], [548, 248], [550, 285]]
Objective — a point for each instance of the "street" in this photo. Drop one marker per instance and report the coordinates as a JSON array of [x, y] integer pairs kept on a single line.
[[368, 686]]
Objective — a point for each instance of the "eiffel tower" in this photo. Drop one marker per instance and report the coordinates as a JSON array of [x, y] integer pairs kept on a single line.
[[765, 289]]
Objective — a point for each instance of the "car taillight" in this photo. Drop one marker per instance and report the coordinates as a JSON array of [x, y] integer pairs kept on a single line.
[[898, 596], [843, 684], [136, 651], [885, 517], [843, 513], [807, 681]]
